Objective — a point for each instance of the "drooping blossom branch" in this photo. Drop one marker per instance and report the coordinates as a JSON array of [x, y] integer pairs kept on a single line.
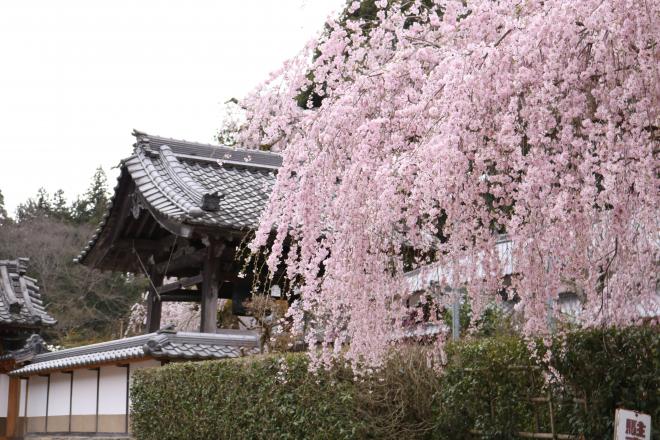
[[443, 127]]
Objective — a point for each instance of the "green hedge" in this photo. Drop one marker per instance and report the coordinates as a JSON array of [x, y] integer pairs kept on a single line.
[[251, 398], [485, 386], [613, 368], [488, 384]]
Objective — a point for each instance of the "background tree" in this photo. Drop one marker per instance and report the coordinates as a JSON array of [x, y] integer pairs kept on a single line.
[[89, 305], [58, 206], [3, 211], [92, 205], [33, 207]]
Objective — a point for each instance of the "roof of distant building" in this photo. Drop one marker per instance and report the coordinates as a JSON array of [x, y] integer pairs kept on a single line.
[[20, 302]]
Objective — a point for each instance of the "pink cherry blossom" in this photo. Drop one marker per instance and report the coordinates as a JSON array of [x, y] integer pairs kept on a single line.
[[536, 119]]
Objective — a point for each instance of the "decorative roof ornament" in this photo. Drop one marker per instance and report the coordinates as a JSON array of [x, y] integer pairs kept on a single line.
[[20, 302], [168, 329], [34, 345], [211, 201]]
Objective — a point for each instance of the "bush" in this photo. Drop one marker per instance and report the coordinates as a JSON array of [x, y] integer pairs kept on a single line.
[[485, 386], [613, 368], [400, 401], [275, 397], [251, 398]]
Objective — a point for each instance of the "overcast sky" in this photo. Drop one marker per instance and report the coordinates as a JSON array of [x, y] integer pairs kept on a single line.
[[77, 76]]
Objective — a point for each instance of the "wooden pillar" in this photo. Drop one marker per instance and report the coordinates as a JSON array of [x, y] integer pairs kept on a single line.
[[13, 407], [210, 287], [154, 305]]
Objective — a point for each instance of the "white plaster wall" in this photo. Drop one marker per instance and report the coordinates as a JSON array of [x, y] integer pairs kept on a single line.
[[4, 394], [60, 393], [37, 394], [112, 390], [84, 392], [21, 405]]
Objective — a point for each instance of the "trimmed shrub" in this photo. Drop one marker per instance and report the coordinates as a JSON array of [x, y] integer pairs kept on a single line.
[[485, 386], [270, 397], [488, 383], [613, 368], [275, 397]]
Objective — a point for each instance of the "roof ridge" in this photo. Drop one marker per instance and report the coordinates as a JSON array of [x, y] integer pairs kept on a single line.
[[116, 344], [189, 186], [15, 304], [143, 134], [176, 199]]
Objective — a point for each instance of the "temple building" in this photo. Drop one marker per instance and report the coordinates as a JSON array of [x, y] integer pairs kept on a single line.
[[182, 209], [179, 215], [22, 314], [21, 308]]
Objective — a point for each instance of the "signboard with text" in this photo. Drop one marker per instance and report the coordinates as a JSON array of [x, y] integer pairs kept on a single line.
[[631, 425]]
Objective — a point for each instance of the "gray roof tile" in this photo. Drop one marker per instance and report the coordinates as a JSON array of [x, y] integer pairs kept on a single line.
[[164, 344], [20, 302], [172, 177]]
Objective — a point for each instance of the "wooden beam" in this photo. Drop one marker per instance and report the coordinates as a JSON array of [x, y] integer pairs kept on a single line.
[[143, 220], [181, 295], [154, 305], [194, 259], [14, 399], [143, 244], [179, 284], [140, 245], [152, 227], [210, 287]]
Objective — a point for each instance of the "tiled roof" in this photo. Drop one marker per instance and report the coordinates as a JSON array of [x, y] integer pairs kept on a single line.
[[173, 178], [20, 302], [164, 344], [34, 345]]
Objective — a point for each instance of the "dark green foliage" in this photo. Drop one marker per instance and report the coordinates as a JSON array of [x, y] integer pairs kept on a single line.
[[485, 386], [487, 383], [243, 399], [3, 211], [59, 208], [88, 208], [614, 369], [38, 206], [91, 207]]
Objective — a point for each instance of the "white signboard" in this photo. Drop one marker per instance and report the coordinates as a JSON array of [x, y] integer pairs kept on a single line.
[[631, 425]]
